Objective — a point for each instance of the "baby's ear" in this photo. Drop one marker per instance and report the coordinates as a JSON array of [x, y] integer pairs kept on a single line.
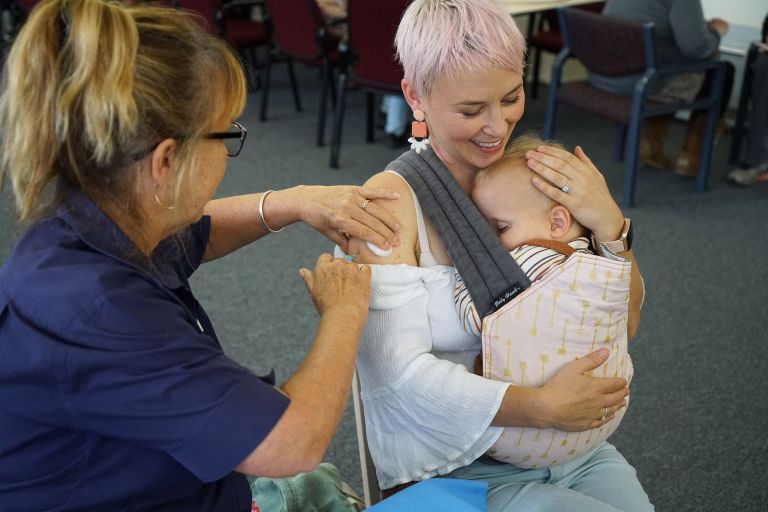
[[560, 221]]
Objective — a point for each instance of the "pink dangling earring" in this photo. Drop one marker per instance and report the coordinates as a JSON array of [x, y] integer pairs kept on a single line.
[[419, 133]]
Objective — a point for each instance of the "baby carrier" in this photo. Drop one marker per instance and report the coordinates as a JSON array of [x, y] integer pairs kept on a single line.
[[529, 331]]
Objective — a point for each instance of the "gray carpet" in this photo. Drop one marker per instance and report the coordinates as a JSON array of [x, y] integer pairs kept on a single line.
[[697, 427]]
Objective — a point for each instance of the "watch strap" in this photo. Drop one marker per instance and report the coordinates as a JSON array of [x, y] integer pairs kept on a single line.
[[612, 248]]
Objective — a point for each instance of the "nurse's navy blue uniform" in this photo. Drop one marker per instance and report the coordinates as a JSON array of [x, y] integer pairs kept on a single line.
[[115, 393]]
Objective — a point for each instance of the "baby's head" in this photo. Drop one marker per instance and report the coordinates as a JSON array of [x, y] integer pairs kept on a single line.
[[516, 209]]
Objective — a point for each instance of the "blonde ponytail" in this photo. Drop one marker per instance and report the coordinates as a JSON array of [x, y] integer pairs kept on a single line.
[[90, 86]]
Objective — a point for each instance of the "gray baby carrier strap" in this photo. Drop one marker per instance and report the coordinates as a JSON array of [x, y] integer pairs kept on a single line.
[[491, 275]]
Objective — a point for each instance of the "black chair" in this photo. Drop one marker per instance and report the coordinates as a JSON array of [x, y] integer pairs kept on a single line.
[[231, 21], [547, 38], [370, 49], [613, 47], [299, 32]]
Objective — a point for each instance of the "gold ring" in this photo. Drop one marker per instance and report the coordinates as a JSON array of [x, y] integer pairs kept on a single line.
[[365, 204]]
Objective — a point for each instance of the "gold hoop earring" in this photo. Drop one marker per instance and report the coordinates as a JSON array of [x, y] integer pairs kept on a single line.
[[157, 200]]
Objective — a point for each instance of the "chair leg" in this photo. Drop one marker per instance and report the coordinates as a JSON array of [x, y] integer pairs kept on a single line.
[[324, 69], [734, 157], [535, 73], [338, 120], [265, 91], [294, 85], [331, 85], [370, 105], [551, 114], [254, 54], [630, 161], [705, 157], [620, 145]]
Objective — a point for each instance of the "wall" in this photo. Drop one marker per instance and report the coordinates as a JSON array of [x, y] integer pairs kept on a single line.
[[741, 12]]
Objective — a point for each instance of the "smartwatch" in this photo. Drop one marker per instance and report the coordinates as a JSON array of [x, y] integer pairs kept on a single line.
[[611, 249]]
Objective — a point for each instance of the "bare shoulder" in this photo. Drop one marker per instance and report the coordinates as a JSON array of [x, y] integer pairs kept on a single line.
[[404, 210]]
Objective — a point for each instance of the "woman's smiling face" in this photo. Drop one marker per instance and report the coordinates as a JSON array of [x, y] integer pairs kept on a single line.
[[471, 118]]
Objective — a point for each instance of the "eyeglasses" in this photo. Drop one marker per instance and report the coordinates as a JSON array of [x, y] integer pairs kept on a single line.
[[233, 139]]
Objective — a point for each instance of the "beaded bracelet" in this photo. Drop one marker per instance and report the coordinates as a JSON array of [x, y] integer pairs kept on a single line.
[[261, 213]]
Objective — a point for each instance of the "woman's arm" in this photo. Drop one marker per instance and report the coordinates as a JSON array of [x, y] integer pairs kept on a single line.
[[403, 211], [591, 204], [320, 386], [332, 211], [571, 400], [695, 38]]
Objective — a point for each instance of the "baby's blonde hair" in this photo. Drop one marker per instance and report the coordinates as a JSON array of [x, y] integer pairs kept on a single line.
[[515, 153], [91, 87]]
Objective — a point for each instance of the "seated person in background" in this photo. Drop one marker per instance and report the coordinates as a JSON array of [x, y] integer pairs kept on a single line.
[[756, 160], [397, 119], [682, 35], [577, 303], [334, 12]]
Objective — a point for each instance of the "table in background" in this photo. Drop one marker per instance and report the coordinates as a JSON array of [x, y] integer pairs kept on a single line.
[[532, 6]]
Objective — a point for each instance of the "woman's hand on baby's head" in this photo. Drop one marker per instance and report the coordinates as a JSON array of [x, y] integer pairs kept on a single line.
[[572, 180], [338, 283]]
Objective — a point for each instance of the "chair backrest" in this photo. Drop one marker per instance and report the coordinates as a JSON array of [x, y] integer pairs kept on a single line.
[[372, 38], [295, 25], [26, 5], [606, 45], [204, 8]]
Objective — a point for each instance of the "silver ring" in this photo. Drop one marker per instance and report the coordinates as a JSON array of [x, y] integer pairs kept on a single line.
[[605, 413], [565, 188], [365, 204]]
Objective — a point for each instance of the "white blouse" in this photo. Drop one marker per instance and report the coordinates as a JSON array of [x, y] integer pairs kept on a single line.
[[426, 413]]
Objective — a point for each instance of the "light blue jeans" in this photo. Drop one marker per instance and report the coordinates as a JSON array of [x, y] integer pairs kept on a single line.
[[398, 113], [600, 481]]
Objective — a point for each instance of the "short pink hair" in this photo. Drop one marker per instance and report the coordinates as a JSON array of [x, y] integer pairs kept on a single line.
[[438, 39]]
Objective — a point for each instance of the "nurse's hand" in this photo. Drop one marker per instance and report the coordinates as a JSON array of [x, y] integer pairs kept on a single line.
[[342, 212], [339, 285], [572, 180]]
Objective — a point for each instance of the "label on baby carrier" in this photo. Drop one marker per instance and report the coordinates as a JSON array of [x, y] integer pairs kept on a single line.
[[511, 292]]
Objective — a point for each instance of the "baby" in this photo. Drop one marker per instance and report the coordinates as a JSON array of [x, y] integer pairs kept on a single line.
[[576, 304]]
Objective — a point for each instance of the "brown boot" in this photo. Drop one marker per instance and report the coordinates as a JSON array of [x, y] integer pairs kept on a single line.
[[651, 149], [687, 164]]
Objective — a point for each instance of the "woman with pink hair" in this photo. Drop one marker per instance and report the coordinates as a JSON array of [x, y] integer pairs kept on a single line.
[[427, 414]]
